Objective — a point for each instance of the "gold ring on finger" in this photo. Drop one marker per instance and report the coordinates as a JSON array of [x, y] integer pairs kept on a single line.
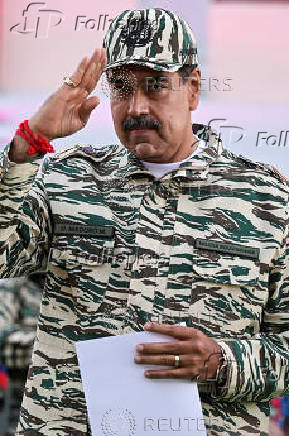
[[176, 361], [70, 82]]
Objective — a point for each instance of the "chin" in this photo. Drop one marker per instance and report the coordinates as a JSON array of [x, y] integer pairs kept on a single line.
[[147, 151]]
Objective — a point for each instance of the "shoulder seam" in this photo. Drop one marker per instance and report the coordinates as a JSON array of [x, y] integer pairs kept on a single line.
[[85, 149], [267, 168]]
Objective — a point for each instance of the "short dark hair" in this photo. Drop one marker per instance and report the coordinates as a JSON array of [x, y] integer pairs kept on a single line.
[[185, 71]]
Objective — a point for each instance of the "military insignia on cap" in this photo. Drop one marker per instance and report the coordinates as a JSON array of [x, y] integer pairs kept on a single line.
[[137, 32]]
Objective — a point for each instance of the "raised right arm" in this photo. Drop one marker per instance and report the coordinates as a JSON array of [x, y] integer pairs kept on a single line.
[[25, 223]]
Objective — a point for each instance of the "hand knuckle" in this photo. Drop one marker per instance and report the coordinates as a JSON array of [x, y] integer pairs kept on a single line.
[[199, 346]]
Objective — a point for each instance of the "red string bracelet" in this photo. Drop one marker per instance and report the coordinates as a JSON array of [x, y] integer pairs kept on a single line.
[[37, 145]]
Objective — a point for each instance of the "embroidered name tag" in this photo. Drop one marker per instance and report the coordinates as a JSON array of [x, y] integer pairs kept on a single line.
[[83, 229], [226, 247]]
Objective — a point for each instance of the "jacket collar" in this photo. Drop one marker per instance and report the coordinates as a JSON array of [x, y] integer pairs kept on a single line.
[[194, 168]]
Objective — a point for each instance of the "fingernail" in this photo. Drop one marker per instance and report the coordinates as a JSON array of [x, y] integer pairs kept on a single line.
[[148, 325], [139, 348]]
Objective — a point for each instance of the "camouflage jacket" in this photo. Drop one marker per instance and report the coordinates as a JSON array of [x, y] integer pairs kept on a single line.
[[205, 245]]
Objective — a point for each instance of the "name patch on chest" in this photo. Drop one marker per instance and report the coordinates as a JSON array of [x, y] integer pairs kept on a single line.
[[83, 229], [225, 247]]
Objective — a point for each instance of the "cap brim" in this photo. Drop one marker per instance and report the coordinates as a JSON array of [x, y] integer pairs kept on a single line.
[[158, 66]]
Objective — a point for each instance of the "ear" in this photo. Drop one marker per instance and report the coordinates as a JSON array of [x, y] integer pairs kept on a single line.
[[194, 88]]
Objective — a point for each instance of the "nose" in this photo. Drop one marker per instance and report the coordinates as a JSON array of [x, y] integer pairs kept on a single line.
[[138, 103]]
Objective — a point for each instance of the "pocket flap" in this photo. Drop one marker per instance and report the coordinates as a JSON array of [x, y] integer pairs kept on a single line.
[[79, 250], [227, 269]]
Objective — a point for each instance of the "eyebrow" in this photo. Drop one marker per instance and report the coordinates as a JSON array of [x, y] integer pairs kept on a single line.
[[154, 74], [117, 77], [159, 77]]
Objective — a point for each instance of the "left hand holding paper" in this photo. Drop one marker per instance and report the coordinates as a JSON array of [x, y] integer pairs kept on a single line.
[[199, 355]]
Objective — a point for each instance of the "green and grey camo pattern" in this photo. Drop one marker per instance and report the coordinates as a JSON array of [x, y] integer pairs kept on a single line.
[[146, 266], [155, 38]]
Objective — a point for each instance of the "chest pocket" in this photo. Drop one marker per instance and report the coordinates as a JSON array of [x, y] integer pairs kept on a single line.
[[225, 269], [228, 282], [226, 294], [85, 267]]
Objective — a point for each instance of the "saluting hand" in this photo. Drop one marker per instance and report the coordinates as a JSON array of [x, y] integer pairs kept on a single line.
[[67, 110]]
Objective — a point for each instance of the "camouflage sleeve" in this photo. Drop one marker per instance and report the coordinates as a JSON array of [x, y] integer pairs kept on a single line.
[[24, 218], [258, 369], [19, 306]]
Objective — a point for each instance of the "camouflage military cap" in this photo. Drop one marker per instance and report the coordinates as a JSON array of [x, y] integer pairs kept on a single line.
[[155, 38]]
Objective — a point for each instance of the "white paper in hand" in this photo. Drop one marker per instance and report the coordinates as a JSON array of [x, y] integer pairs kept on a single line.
[[121, 401]]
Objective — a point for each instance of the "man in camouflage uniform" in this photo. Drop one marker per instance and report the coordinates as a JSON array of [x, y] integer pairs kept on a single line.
[[19, 309], [167, 227]]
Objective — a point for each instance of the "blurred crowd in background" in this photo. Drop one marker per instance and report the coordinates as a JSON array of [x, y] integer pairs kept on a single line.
[[19, 309], [279, 424]]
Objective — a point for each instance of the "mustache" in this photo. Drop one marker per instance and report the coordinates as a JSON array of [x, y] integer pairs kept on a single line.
[[141, 123]]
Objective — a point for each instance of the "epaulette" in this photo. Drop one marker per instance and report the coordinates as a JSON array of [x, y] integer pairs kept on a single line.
[[63, 154], [239, 158], [67, 152], [279, 175], [267, 168], [97, 153]]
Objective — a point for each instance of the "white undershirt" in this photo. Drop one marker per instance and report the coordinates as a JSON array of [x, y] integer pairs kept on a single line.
[[160, 169]]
